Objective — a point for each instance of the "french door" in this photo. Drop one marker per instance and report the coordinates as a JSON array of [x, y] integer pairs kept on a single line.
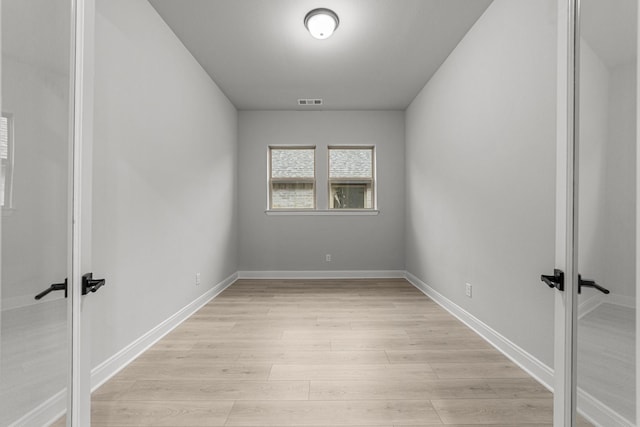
[[596, 243], [44, 139], [44, 371]]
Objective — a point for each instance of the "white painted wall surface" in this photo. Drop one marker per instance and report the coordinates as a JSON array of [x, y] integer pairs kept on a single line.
[[481, 173], [300, 243], [620, 197], [607, 175], [594, 127], [164, 186]]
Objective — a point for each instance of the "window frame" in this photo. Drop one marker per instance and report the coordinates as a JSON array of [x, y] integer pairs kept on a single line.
[[347, 181], [271, 180], [8, 163]]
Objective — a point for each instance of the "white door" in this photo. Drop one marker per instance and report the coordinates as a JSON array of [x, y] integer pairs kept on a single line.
[[43, 365], [595, 342]]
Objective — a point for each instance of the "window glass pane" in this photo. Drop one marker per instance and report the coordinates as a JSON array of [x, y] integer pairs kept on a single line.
[[4, 138], [292, 163], [350, 163], [292, 195], [351, 196], [4, 157]]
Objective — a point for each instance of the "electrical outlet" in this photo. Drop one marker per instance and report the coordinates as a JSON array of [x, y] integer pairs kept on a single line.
[[197, 279], [327, 257], [468, 290]]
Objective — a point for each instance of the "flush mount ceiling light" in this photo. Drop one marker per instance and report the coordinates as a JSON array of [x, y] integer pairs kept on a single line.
[[321, 23]]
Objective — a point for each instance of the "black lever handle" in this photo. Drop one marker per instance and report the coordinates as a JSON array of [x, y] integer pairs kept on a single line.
[[590, 284], [54, 287], [555, 281], [89, 284]]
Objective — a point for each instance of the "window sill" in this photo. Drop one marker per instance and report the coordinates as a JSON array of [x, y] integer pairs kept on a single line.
[[324, 212]]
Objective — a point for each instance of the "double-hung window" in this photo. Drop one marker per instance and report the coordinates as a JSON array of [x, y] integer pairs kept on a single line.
[[351, 177], [292, 177]]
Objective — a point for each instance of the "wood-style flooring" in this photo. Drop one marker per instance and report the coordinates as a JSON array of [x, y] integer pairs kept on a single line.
[[321, 353], [607, 357], [33, 357]]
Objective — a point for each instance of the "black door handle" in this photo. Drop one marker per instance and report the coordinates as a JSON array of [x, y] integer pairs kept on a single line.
[[54, 287], [89, 284], [555, 281], [590, 284]]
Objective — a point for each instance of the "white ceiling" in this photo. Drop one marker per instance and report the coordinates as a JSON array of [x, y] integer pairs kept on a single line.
[[262, 57]]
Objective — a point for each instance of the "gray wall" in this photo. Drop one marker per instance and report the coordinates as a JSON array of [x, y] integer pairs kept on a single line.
[[276, 243], [35, 90], [594, 107], [607, 175], [480, 173], [620, 196], [164, 186]]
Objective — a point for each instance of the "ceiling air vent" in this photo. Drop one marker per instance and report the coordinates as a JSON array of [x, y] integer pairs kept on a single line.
[[315, 101]]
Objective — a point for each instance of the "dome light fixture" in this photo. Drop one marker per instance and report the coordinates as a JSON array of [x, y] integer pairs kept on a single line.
[[321, 23]]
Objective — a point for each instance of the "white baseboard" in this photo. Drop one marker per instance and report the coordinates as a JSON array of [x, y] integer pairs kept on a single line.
[[596, 300], [323, 274], [621, 300], [599, 414], [107, 369], [46, 413], [51, 410], [526, 361], [589, 305], [590, 408]]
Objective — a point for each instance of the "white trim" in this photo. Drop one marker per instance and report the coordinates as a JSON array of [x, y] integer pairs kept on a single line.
[[621, 300], [598, 299], [588, 305], [565, 303], [520, 357], [46, 413], [107, 369], [323, 212], [589, 407], [322, 274], [78, 394], [598, 413], [54, 408]]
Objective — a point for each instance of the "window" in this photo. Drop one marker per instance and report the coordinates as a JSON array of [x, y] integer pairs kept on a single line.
[[6, 159], [351, 177], [292, 178]]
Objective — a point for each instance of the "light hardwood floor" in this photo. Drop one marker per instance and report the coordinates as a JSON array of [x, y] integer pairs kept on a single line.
[[321, 353], [32, 357], [606, 357]]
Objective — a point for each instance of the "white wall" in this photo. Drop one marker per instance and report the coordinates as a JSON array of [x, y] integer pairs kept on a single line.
[[281, 243], [607, 174], [620, 197], [480, 173], [164, 185], [594, 127]]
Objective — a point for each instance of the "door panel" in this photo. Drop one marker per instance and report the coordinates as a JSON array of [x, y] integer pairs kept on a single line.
[[607, 213], [36, 106]]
